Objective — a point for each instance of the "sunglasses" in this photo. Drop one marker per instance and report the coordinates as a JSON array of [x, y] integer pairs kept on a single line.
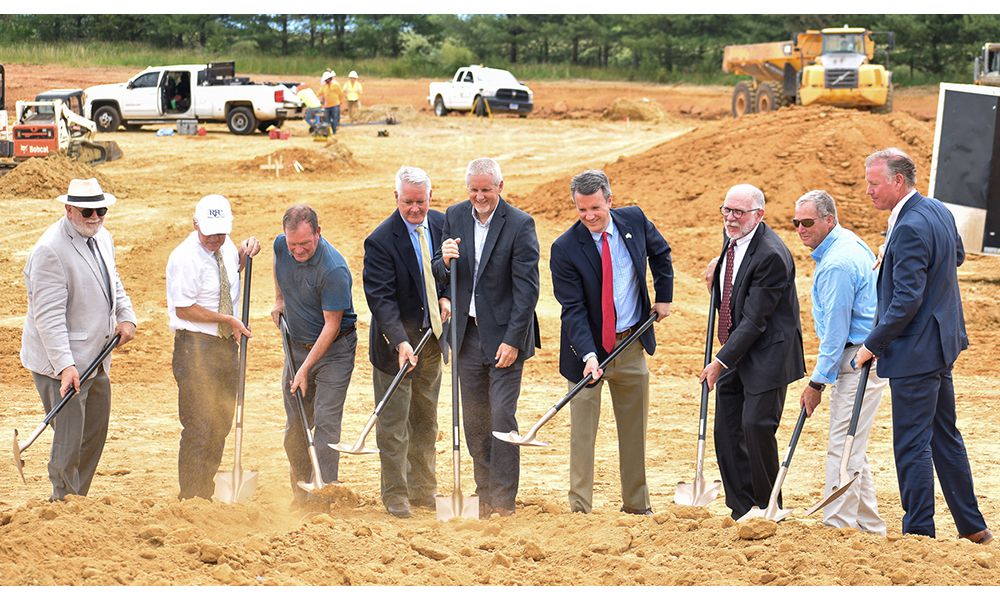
[[807, 223], [88, 212]]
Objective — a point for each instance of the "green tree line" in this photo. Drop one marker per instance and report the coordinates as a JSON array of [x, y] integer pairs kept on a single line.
[[642, 47]]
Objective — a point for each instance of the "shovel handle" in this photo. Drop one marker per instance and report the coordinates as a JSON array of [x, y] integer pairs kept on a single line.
[[859, 398], [111, 345], [455, 398], [795, 437], [709, 340], [286, 341], [398, 379], [242, 367]]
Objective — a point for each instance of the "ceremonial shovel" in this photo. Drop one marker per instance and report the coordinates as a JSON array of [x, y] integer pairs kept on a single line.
[[773, 512], [528, 439], [317, 481], [19, 448], [359, 446], [239, 485], [699, 492]]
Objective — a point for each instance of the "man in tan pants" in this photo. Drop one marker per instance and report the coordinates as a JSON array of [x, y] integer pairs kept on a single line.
[[599, 277]]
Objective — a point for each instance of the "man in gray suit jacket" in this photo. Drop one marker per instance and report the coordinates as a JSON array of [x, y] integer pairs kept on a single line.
[[494, 310], [76, 304]]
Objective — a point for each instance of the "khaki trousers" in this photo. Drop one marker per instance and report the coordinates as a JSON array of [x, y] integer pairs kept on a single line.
[[628, 378]]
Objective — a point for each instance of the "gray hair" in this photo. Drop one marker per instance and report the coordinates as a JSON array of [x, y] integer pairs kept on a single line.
[[749, 191], [896, 162], [589, 182], [298, 214], [823, 201], [484, 166], [414, 176]]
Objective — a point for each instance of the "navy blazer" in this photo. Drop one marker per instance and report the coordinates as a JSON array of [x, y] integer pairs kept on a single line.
[[507, 284], [576, 282], [765, 343], [394, 288], [921, 327]]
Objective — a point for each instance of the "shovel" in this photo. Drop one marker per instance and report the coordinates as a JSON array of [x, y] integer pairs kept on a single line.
[[845, 479], [359, 446], [317, 480], [19, 448], [239, 485], [455, 506], [699, 492], [529, 439], [773, 512]]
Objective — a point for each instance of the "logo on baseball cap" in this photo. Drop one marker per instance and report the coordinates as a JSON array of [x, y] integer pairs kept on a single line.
[[214, 215]]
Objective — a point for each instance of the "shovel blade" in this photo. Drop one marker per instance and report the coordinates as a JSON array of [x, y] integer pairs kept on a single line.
[[228, 492], [836, 493], [456, 506], [311, 486], [17, 458], [353, 448], [685, 494], [771, 513], [517, 439]]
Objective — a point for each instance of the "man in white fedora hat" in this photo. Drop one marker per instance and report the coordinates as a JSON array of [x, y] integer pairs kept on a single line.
[[76, 304]]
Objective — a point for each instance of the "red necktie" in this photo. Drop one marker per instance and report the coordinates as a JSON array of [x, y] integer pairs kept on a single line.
[[725, 310], [607, 296]]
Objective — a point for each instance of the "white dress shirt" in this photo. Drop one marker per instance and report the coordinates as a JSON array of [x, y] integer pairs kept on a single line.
[[193, 278]]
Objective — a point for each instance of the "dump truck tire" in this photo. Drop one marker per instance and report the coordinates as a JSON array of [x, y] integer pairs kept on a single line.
[[742, 99], [766, 99]]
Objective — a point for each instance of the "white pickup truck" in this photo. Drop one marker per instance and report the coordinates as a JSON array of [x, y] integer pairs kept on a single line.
[[472, 85], [204, 93]]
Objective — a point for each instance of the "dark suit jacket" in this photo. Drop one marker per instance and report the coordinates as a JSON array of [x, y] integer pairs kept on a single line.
[[507, 284], [921, 327], [576, 282], [765, 345], [394, 288]]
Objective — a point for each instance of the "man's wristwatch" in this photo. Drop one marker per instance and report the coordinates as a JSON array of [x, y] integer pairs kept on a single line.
[[819, 387]]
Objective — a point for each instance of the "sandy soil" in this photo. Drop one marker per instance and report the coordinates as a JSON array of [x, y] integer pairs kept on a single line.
[[132, 530]]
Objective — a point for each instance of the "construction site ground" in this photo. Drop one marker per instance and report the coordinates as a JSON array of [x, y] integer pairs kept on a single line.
[[131, 529]]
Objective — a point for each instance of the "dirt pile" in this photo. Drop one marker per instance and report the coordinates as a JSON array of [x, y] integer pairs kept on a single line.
[[643, 109], [49, 177], [384, 112], [330, 157]]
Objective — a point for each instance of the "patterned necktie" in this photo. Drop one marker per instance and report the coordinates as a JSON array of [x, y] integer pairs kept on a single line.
[[430, 293], [726, 309], [607, 296], [225, 296], [92, 244]]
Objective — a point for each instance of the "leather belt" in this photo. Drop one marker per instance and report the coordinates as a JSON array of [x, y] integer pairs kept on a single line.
[[621, 335], [342, 333]]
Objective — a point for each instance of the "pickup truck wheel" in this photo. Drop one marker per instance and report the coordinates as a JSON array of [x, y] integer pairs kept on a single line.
[[107, 118], [439, 108], [241, 121]]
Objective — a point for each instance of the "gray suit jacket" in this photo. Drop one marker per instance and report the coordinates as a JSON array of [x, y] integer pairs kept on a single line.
[[70, 317]]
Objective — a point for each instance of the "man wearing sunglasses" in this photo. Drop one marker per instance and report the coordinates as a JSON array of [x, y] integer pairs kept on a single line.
[[76, 304], [843, 298], [761, 349]]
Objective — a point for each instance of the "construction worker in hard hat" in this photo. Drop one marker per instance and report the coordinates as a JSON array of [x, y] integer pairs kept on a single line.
[[332, 96], [352, 90]]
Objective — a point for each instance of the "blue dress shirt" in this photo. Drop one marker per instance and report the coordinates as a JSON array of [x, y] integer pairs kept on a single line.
[[626, 284]]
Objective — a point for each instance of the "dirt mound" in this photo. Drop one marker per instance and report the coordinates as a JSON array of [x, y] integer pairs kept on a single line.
[[643, 109], [49, 177], [385, 112], [330, 157]]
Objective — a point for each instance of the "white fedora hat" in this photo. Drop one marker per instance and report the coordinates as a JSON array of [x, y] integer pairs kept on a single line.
[[86, 193]]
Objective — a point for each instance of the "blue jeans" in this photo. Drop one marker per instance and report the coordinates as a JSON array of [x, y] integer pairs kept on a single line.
[[333, 117]]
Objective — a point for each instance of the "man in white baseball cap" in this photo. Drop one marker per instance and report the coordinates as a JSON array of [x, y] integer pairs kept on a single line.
[[76, 304], [203, 293]]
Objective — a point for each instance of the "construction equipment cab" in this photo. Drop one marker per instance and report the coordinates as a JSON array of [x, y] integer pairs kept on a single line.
[[986, 70], [831, 66]]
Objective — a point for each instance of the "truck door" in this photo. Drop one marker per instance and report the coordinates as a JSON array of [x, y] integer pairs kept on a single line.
[[141, 97], [463, 90], [175, 94]]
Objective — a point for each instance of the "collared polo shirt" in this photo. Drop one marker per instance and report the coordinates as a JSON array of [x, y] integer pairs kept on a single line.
[[321, 283]]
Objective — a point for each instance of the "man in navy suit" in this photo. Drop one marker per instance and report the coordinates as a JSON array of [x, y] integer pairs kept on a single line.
[[404, 300], [761, 351], [494, 308], [919, 334], [599, 277]]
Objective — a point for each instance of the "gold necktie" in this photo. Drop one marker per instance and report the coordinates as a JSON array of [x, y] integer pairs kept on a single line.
[[433, 312], [225, 296]]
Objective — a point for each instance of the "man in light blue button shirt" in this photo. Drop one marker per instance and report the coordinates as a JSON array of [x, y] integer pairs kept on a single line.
[[844, 299]]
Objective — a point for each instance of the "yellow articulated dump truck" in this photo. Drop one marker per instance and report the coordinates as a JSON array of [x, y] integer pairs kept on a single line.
[[829, 66]]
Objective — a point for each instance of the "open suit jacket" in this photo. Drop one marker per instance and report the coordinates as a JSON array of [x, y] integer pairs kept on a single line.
[[70, 316], [394, 287], [507, 281], [921, 327], [576, 282], [765, 344]]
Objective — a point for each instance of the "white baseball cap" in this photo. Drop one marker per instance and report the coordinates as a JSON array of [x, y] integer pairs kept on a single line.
[[214, 215]]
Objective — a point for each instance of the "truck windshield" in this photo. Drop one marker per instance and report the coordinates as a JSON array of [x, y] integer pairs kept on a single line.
[[842, 42]]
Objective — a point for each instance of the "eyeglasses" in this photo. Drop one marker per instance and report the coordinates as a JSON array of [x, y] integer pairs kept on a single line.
[[807, 223], [726, 211], [88, 212]]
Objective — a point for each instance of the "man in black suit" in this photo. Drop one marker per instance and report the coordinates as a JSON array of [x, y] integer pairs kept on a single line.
[[599, 277], [761, 349], [494, 309], [403, 297]]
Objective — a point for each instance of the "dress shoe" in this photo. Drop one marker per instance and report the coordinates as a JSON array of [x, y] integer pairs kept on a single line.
[[398, 508], [638, 511], [424, 501], [485, 510], [980, 537]]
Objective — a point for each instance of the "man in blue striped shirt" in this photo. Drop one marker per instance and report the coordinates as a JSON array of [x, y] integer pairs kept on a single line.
[[844, 299]]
